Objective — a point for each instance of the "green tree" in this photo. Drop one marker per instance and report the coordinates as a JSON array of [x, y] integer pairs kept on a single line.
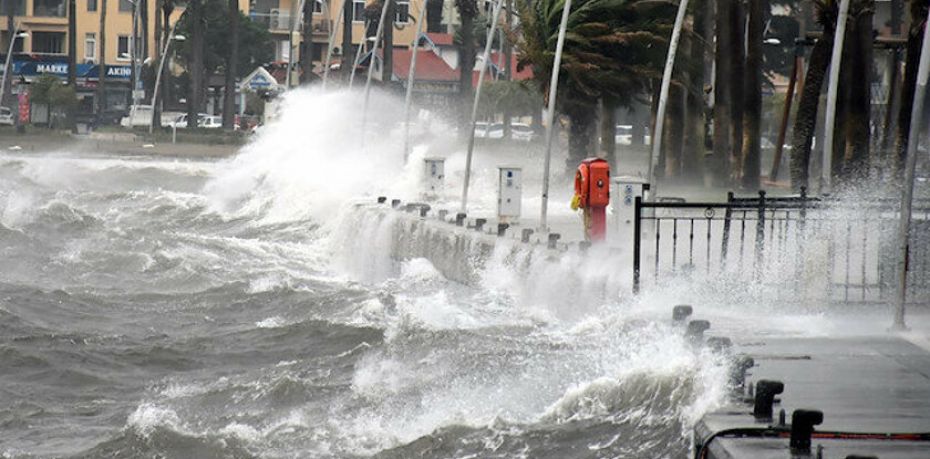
[[59, 98], [254, 44], [613, 48], [513, 97]]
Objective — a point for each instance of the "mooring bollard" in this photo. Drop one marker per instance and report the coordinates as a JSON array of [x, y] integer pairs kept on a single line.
[[583, 246], [525, 235], [479, 223], [424, 209], [442, 214], [766, 391], [681, 312], [553, 240], [502, 229], [395, 203], [720, 344], [738, 369], [696, 329], [460, 219], [802, 429], [382, 199]]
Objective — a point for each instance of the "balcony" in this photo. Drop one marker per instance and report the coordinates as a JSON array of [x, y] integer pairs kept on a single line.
[[279, 21]]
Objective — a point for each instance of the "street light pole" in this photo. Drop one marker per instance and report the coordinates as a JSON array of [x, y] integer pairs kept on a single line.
[[6, 65], [161, 66]]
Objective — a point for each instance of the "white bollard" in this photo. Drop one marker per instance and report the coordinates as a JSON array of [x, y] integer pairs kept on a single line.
[[620, 225], [509, 194], [433, 176]]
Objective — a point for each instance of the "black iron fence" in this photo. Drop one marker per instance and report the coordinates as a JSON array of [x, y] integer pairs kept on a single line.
[[795, 246]]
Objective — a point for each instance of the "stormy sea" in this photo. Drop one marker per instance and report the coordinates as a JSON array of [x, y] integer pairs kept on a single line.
[[171, 307]]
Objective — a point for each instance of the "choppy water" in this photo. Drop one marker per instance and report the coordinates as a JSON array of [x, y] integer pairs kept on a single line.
[[181, 308]]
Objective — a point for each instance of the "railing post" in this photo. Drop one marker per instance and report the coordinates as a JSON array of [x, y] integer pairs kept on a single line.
[[760, 235], [637, 234], [727, 215]]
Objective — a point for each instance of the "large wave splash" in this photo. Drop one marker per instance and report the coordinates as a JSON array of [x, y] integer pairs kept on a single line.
[[314, 157]]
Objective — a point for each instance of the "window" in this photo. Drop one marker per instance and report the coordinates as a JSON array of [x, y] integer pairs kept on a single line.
[[402, 12], [358, 10], [90, 47], [19, 7], [125, 6], [318, 6], [122, 48], [17, 45], [91, 5], [48, 42], [488, 6], [48, 8]]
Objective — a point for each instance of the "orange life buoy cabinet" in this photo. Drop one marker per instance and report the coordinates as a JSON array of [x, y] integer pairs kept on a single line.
[[592, 183]]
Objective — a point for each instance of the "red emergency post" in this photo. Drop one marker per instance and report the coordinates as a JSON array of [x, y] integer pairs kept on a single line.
[[592, 195]]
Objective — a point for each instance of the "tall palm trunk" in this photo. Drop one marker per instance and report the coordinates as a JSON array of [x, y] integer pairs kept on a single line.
[[306, 41], [195, 72], [674, 132], [918, 17], [722, 100], [72, 42], [387, 60], [232, 70], [737, 50], [102, 67], [581, 132], [858, 137], [608, 128], [347, 12], [805, 121], [752, 120], [467, 11], [693, 155]]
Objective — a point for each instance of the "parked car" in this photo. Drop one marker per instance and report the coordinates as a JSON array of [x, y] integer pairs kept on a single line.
[[623, 134], [210, 122], [520, 131], [6, 116], [181, 121], [483, 130], [141, 115]]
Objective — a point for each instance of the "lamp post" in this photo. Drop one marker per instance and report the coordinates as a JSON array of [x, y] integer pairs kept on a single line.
[[161, 66], [6, 65]]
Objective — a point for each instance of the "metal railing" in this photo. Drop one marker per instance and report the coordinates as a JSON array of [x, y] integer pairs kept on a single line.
[[834, 250]]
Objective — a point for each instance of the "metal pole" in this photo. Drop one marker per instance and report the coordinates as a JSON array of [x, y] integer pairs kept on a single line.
[[411, 79], [835, 63], [332, 44], [358, 58], [374, 51], [474, 107], [290, 42], [132, 64], [6, 65], [161, 66], [907, 190], [663, 98], [550, 114]]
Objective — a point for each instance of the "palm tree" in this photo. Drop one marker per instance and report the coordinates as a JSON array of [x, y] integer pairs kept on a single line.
[[468, 10], [229, 94], [195, 71], [752, 120], [722, 96], [856, 158], [806, 119], [613, 49], [102, 67], [918, 19]]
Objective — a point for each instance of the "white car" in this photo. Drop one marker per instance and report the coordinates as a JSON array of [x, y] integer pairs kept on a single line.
[[181, 121], [6, 116], [520, 131], [624, 134], [210, 122]]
